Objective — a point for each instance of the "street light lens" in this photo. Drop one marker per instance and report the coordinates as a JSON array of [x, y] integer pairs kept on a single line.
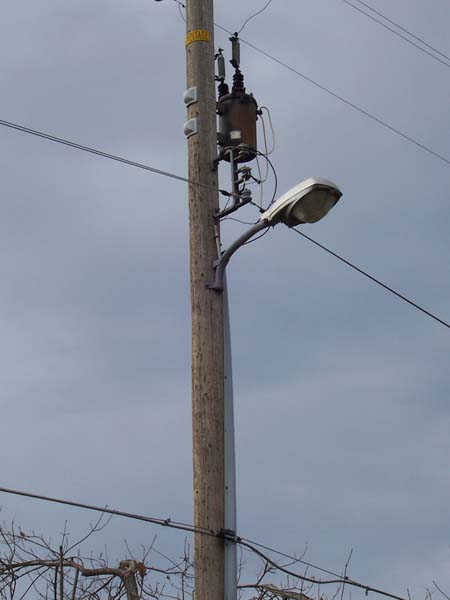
[[307, 202], [313, 206]]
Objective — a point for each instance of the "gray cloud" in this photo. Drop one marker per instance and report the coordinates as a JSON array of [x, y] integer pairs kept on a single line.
[[341, 390]]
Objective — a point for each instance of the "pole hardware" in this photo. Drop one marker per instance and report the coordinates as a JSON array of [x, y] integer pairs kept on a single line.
[[221, 263], [235, 51], [221, 74], [239, 176], [237, 110], [190, 127], [227, 534], [190, 96], [244, 198]]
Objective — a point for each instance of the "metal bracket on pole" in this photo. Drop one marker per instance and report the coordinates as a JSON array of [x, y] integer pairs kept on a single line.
[[239, 199], [244, 199], [191, 127], [190, 96], [230, 516], [221, 263]]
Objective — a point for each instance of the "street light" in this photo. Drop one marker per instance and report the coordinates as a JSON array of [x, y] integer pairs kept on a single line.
[[307, 202]]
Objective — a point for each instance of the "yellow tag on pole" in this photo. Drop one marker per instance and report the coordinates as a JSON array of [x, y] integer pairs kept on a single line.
[[197, 35]]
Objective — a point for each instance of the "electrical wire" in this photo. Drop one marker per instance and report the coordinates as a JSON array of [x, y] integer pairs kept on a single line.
[[181, 12], [269, 162], [97, 152], [156, 521], [262, 180], [339, 579], [253, 16], [340, 98], [337, 96], [181, 5], [258, 237], [260, 175], [266, 153], [110, 511], [372, 18], [266, 145], [224, 534], [224, 192], [291, 557], [416, 37], [132, 163], [381, 122], [169, 522], [272, 150], [184, 179], [274, 175], [239, 221], [377, 281]]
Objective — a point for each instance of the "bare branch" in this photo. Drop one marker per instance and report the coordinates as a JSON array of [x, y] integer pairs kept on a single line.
[[440, 590], [283, 593]]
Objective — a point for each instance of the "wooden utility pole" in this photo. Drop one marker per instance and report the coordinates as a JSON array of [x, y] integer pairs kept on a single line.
[[129, 569], [207, 306]]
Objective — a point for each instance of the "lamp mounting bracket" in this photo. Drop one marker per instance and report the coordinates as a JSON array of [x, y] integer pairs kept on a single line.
[[238, 202], [221, 263]]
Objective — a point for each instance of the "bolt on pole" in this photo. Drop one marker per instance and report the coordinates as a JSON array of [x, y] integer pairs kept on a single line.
[[207, 304]]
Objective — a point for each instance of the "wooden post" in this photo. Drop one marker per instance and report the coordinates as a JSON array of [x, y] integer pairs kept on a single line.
[[130, 585], [207, 306], [130, 568]]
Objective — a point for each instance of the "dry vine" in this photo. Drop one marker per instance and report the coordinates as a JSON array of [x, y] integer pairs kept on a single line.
[[31, 566]]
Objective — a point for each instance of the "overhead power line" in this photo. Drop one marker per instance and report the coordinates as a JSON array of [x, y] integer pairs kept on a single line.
[[244, 542], [403, 37], [341, 580], [341, 98], [261, 10], [416, 37], [126, 161], [377, 281], [110, 511]]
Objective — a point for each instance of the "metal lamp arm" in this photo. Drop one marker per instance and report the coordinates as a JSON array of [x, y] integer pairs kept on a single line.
[[221, 263]]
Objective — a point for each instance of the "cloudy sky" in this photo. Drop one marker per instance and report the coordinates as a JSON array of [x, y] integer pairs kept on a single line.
[[341, 390]]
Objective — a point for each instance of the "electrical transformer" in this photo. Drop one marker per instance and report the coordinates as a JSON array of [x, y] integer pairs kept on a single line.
[[237, 125], [237, 111]]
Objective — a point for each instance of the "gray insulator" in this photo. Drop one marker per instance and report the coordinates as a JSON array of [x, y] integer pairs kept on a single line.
[[235, 52], [221, 67]]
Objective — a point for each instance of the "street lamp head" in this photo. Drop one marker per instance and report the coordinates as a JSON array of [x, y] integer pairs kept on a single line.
[[307, 202]]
